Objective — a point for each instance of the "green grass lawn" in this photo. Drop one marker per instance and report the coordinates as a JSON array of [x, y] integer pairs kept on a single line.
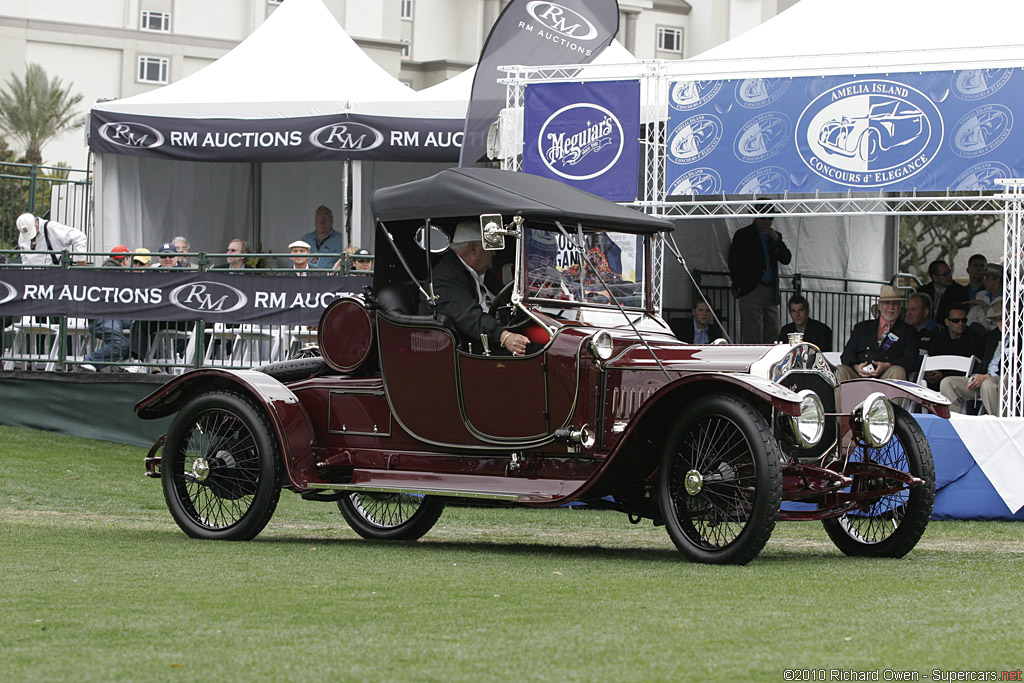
[[98, 583]]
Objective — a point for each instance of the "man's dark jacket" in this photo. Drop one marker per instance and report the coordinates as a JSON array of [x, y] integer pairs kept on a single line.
[[457, 297], [863, 345], [746, 259], [816, 332], [956, 293], [685, 332], [970, 343]]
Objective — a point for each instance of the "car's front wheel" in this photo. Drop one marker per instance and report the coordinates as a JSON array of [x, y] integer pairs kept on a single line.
[[390, 516], [720, 481], [891, 523]]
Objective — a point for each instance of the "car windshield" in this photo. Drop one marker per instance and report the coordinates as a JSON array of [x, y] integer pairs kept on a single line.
[[554, 271]]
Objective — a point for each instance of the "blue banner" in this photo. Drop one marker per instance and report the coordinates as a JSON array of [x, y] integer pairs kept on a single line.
[[585, 135], [929, 131]]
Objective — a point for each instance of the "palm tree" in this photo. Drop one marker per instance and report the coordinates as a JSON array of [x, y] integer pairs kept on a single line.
[[36, 110]]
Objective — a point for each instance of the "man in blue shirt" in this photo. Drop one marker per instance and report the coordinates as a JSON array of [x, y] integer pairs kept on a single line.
[[324, 240]]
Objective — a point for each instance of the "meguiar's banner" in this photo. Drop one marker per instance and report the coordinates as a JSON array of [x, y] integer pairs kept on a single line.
[[930, 131]]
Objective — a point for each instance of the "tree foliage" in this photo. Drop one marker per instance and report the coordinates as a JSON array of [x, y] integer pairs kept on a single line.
[[927, 238], [37, 109]]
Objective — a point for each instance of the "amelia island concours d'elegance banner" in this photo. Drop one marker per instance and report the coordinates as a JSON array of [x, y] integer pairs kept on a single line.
[[928, 131], [105, 293], [585, 135]]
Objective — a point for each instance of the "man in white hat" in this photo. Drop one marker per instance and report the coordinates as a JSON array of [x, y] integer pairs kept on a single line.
[[465, 288], [39, 235], [299, 250], [884, 347]]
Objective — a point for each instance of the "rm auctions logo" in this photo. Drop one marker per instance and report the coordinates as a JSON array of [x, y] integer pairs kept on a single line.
[[869, 133], [129, 134], [687, 95], [981, 130], [561, 20], [580, 141], [763, 136], [347, 136], [974, 84], [697, 181], [694, 138], [206, 296], [759, 92], [7, 292]]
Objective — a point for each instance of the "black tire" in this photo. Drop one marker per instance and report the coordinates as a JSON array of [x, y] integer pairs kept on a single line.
[[891, 525], [221, 467], [724, 451], [868, 145], [390, 516]]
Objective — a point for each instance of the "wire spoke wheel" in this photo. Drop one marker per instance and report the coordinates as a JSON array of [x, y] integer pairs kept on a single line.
[[390, 516], [890, 524], [720, 482], [221, 468]]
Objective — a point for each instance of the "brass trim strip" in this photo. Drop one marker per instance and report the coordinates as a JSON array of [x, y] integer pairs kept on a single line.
[[417, 491]]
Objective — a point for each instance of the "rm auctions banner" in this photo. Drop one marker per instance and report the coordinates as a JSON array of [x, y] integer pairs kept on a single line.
[[107, 293], [584, 134], [929, 131], [311, 138]]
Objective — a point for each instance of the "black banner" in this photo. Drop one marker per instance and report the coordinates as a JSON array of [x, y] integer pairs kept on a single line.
[[314, 138], [278, 299], [533, 33]]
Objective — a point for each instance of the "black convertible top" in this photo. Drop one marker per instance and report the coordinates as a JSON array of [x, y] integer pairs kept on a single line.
[[462, 192]]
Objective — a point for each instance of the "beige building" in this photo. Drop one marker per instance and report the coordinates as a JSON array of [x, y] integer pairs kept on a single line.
[[109, 49]]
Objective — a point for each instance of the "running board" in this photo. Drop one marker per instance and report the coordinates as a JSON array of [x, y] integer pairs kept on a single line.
[[514, 489], [417, 491]]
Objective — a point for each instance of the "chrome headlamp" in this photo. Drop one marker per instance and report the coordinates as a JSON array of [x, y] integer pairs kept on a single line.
[[601, 345], [808, 427], [872, 420]]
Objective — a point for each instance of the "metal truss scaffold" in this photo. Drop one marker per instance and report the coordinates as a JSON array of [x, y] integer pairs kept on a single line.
[[1012, 370]]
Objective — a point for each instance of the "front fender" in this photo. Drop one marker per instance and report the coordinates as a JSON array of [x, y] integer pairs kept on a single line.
[[853, 391], [291, 425]]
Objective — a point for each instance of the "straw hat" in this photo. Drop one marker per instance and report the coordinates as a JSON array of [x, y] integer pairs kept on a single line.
[[889, 293]]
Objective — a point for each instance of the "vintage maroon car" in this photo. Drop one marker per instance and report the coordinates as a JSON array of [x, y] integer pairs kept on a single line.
[[398, 414]]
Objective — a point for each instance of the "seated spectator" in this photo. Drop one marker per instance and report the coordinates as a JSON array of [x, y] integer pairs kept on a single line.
[[236, 251], [942, 289], [168, 255], [182, 247], [362, 260], [956, 339], [814, 331], [300, 256], [110, 336], [919, 316], [701, 330], [975, 275], [141, 258], [324, 239], [38, 234], [977, 314], [884, 347], [987, 384]]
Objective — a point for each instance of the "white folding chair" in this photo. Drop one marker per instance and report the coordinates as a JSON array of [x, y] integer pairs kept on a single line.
[[961, 364], [834, 357], [29, 337]]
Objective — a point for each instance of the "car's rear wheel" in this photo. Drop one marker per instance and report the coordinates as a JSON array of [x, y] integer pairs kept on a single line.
[[390, 516], [720, 481], [891, 524], [869, 144], [221, 467]]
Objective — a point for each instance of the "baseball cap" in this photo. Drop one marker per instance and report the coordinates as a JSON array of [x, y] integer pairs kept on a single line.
[[299, 244], [119, 252], [467, 231], [362, 252], [142, 255], [167, 248], [27, 225]]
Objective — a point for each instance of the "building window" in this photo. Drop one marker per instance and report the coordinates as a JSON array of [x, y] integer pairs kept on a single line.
[[155, 21], [406, 49], [153, 69], [670, 39], [406, 9]]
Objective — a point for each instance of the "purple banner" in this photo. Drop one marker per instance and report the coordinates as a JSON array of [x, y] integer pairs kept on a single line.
[[315, 138], [585, 135], [107, 293]]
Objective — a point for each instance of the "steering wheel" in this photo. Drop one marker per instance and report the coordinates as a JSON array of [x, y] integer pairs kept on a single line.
[[503, 298]]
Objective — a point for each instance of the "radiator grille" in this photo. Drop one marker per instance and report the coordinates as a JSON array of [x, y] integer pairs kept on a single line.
[[826, 391]]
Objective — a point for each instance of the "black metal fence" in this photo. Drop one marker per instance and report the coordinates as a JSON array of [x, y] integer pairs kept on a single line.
[[53, 192]]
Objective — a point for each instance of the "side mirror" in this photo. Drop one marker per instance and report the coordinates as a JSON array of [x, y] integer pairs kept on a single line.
[[492, 232], [437, 241]]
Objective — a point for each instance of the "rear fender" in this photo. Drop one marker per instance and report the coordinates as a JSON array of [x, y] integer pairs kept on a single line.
[[852, 392], [291, 426]]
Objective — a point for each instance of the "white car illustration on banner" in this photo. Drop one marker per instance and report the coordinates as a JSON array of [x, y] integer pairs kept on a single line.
[[888, 124]]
